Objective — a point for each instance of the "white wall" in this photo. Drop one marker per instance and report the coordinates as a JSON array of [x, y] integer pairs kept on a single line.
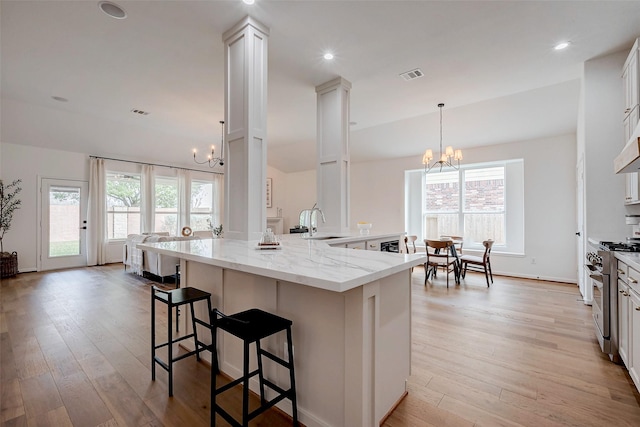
[[377, 195], [291, 192], [31, 164], [601, 135]]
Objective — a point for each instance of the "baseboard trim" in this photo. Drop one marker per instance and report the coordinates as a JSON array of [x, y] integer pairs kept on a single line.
[[393, 408]]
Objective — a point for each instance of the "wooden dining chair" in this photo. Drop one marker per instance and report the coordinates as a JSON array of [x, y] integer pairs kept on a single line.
[[440, 257], [411, 239], [482, 263], [458, 241]]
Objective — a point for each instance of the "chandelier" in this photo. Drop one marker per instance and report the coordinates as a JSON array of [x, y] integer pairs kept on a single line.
[[446, 157], [211, 159]]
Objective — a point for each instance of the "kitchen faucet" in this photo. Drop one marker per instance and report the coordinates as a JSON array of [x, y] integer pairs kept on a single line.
[[314, 209]]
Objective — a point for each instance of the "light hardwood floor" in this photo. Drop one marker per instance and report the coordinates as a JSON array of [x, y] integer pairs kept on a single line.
[[74, 350]]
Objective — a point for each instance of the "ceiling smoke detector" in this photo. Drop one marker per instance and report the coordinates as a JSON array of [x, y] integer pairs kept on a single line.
[[140, 112], [413, 74]]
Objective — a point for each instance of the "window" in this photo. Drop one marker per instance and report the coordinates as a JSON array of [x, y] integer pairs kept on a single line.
[[143, 199], [484, 204], [123, 205], [472, 202], [166, 205], [201, 205]]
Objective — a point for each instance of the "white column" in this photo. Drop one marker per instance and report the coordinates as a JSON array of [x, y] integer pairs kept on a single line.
[[246, 47], [332, 166]]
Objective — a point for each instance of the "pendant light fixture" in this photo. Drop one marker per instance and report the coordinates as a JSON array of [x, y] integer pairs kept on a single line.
[[446, 157], [211, 159]]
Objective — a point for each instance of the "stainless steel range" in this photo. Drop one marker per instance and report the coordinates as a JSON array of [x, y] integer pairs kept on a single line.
[[601, 275]]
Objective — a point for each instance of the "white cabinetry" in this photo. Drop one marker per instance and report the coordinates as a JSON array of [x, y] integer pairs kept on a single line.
[[629, 319], [634, 337], [357, 245], [630, 80], [623, 321], [631, 115], [631, 195], [373, 245]]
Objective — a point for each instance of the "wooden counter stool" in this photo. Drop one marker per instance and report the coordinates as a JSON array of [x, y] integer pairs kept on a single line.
[[251, 326], [174, 299]]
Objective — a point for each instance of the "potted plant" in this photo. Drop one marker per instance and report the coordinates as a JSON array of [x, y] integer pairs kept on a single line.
[[217, 231], [9, 202]]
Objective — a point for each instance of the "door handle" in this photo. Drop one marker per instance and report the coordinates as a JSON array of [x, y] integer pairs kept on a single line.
[[578, 234], [83, 228]]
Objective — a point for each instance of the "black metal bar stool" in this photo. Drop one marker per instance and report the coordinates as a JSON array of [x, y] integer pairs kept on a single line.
[[251, 326], [174, 299]]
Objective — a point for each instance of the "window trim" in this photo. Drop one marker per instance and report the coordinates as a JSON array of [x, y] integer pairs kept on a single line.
[[513, 209], [108, 211]]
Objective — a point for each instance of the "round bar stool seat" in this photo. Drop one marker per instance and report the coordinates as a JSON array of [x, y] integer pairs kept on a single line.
[[251, 326], [174, 299]]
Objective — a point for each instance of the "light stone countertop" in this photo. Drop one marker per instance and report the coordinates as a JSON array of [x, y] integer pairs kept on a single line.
[[632, 259], [304, 261]]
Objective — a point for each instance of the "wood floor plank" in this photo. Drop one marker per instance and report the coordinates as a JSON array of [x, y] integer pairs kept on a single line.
[[84, 405], [54, 418], [40, 395], [75, 350], [28, 359], [8, 370], [126, 406], [11, 404]]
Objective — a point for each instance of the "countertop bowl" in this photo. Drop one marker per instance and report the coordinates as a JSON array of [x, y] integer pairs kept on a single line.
[[364, 227]]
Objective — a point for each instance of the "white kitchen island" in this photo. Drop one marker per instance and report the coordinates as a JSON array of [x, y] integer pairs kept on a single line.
[[351, 313]]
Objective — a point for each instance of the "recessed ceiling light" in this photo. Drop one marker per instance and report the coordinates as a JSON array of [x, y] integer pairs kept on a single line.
[[60, 99], [112, 9], [248, 1], [562, 45], [328, 56]]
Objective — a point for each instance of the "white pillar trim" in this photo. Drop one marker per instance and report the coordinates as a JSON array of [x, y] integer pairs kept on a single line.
[[246, 54], [333, 161]]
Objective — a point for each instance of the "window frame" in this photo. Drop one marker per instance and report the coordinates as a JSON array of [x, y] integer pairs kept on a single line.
[[513, 207], [176, 183], [111, 172], [211, 213]]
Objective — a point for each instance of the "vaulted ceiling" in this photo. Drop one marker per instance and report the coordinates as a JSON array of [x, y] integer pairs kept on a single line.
[[491, 63]]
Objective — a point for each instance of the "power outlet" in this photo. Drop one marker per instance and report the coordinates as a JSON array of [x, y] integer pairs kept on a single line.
[[533, 260]]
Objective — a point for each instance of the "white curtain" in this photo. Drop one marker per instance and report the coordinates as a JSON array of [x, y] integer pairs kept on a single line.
[[184, 199], [147, 205], [97, 213], [218, 195]]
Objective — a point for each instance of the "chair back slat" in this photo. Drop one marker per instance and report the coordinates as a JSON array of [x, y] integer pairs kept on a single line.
[[487, 249]]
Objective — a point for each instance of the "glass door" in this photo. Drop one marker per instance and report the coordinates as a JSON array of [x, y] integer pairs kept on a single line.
[[64, 224]]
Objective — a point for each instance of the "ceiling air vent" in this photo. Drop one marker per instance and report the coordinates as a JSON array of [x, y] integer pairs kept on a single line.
[[141, 112], [413, 74]]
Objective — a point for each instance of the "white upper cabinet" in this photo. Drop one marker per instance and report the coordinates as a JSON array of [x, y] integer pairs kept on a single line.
[[631, 117], [630, 83]]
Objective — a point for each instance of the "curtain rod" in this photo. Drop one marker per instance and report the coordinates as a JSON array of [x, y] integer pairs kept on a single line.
[[155, 164]]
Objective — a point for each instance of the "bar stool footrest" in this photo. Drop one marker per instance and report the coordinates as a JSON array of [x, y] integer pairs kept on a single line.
[[279, 390], [234, 383], [174, 341], [275, 358]]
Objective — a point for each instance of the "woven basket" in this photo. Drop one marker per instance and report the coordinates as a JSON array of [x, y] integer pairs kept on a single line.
[[8, 265]]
